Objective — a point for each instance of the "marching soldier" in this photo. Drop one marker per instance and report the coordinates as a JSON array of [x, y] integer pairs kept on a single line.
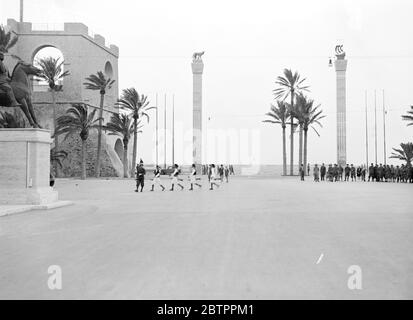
[[192, 178], [157, 178]]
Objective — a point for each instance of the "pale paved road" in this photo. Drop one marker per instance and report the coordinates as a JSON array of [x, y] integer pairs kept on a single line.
[[254, 238]]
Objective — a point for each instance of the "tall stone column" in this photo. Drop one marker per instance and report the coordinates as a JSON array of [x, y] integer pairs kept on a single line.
[[197, 70], [341, 68]]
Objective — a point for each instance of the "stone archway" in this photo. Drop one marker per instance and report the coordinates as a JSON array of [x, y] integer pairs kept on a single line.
[[42, 52]]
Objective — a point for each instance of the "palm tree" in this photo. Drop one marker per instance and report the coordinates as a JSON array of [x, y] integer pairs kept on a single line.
[[78, 120], [100, 83], [122, 125], [289, 85], [52, 72], [137, 106], [280, 115], [298, 111], [6, 40], [404, 154], [311, 116], [409, 116]]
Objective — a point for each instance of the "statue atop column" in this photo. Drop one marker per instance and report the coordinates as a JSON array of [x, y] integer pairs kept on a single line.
[[197, 56], [340, 53]]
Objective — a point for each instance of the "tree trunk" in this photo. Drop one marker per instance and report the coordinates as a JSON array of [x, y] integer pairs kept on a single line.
[[125, 160], [83, 177], [135, 144], [97, 166], [284, 154], [292, 138], [56, 138], [300, 147], [305, 148]]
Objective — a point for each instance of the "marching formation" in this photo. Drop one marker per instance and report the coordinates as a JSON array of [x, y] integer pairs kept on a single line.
[[378, 173], [215, 175]]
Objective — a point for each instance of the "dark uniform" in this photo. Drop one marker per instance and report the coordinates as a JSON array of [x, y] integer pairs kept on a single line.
[[347, 171], [371, 172], [140, 177], [340, 172], [323, 172], [353, 173]]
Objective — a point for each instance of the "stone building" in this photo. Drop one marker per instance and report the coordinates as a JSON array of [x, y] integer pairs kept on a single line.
[[84, 54]]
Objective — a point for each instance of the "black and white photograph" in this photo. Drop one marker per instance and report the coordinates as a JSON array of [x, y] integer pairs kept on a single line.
[[230, 150]]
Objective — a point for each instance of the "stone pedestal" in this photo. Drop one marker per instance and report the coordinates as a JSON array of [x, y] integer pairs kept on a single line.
[[197, 70], [341, 67], [25, 167]]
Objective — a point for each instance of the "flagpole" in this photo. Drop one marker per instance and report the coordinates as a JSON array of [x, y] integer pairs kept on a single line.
[[156, 134], [165, 133], [375, 126], [367, 135], [384, 130], [173, 130], [21, 10]]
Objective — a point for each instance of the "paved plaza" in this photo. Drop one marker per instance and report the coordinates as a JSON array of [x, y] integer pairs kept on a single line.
[[254, 238]]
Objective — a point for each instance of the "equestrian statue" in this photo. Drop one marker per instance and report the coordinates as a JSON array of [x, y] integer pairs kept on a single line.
[[15, 91]]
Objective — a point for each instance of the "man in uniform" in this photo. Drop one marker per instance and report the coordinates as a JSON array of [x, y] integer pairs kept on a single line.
[[380, 174], [371, 172], [323, 171], [397, 174], [5, 82], [330, 173], [347, 172], [140, 176], [353, 173], [340, 172]]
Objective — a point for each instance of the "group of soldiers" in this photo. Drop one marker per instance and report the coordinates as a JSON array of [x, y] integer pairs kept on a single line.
[[215, 174], [379, 173]]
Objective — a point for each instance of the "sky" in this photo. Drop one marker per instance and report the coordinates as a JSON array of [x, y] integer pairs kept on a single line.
[[247, 45]]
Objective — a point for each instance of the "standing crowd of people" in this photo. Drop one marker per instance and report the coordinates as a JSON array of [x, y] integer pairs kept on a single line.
[[216, 176], [378, 173]]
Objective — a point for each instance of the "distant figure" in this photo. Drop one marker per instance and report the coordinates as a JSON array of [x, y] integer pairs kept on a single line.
[[231, 169], [302, 172], [157, 178], [140, 176], [363, 173], [308, 169], [209, 172], [336, 172], [340, 172], [316, 172], [213, 177], [221, 173], [175, 180], [371, 172], [347, 171], [380, 170], [330, 173], [323, 172], [353, 173], [192, 178], [226, 172]]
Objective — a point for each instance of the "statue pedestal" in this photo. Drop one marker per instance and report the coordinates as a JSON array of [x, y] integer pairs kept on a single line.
[[25, 167]]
